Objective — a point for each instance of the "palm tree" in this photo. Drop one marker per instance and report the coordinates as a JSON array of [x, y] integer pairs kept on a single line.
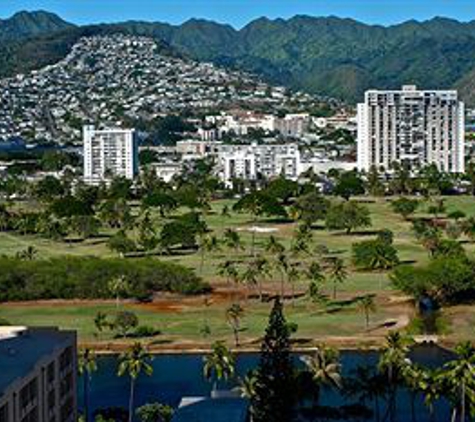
[[225, 212], [302, 238], [368, 306], [273, 246], [263, 270], [460, 377], [118, 286], [219, 364], [232, 240], [251, 203], [428, 383], [250, 277], [282, 264], [324, 368], [28, 254], [315, 274], [100, 321], [391, 363], [411, 375], [293, 276], [338, 273], [228, 269], [87, 365], [234, 315], [247, 385], [133, 363], [401, 179], [299, 247], [207, 244], [374, 184]]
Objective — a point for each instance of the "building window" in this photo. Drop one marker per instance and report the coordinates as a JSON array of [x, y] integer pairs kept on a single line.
[[31, 416], [28, 394], [50, 375], [4, 413], [66, 359], [51, 399], [66, 385], [67, 410]]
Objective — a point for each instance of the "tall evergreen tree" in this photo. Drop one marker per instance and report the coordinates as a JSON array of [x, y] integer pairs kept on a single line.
[[274, 391]]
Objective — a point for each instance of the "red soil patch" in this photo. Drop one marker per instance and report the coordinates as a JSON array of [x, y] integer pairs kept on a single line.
[[167, 303]]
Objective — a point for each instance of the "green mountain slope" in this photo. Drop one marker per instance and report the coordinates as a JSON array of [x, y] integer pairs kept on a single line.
[[29, 24], [333, 56]]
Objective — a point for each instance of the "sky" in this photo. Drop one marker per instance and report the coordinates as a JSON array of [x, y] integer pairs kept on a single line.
[[240, 12]]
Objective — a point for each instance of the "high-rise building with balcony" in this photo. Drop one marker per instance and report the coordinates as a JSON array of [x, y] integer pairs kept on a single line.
[[109, 153], [411, 127], [38, 368]]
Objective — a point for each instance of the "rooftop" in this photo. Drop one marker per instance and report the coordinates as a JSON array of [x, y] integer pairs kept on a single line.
[[21, 348], [205, 409]]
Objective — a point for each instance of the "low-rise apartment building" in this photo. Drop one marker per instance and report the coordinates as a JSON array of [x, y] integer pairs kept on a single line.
[[257, 162]]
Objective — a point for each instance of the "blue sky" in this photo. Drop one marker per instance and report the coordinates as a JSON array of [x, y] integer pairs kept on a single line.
[[240, 12]]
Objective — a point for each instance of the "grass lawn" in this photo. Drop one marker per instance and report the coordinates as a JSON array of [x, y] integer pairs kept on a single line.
[[184, 322]]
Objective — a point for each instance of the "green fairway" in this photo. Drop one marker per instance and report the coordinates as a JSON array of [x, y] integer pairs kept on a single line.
[[186, 324]]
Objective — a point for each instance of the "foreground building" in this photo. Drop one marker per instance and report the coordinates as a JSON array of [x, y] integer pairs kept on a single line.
[[109, 153], [38, 368], [412, 127]]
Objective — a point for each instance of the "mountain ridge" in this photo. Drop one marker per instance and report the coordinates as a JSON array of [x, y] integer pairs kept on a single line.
[[26, 24], [339, 57]]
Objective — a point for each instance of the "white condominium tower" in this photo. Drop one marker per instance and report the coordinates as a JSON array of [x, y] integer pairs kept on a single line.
[[109, 153], [412, 127]]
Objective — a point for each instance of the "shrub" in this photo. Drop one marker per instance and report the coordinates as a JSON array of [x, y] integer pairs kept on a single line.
[[154, 412], [121, 244], [124, 322], [347, 216], [444, 279], [145, 331], [405, 206], [375, 254], [88, 278], [117, 414]]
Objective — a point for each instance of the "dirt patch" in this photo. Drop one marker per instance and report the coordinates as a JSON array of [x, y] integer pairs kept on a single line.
[[220, 295]]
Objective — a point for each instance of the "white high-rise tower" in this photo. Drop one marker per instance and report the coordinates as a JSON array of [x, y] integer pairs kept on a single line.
[[413, 127], [109, 153]]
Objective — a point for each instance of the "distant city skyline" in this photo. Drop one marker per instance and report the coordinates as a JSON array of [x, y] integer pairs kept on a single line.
[[239, 12]]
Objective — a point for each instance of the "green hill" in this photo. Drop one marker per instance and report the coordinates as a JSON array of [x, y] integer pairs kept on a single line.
[[333, 56], [30, 24]]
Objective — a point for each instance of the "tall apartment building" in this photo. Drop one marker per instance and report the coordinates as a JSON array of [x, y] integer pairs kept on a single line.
[[38, 368], [109, 153], [255, 162], [413, 127]]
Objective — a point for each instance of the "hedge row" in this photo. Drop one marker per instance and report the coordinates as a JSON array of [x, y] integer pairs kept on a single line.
[[89, 277]]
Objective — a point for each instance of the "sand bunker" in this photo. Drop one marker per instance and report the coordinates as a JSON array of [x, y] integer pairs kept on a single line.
[[259, 229]]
